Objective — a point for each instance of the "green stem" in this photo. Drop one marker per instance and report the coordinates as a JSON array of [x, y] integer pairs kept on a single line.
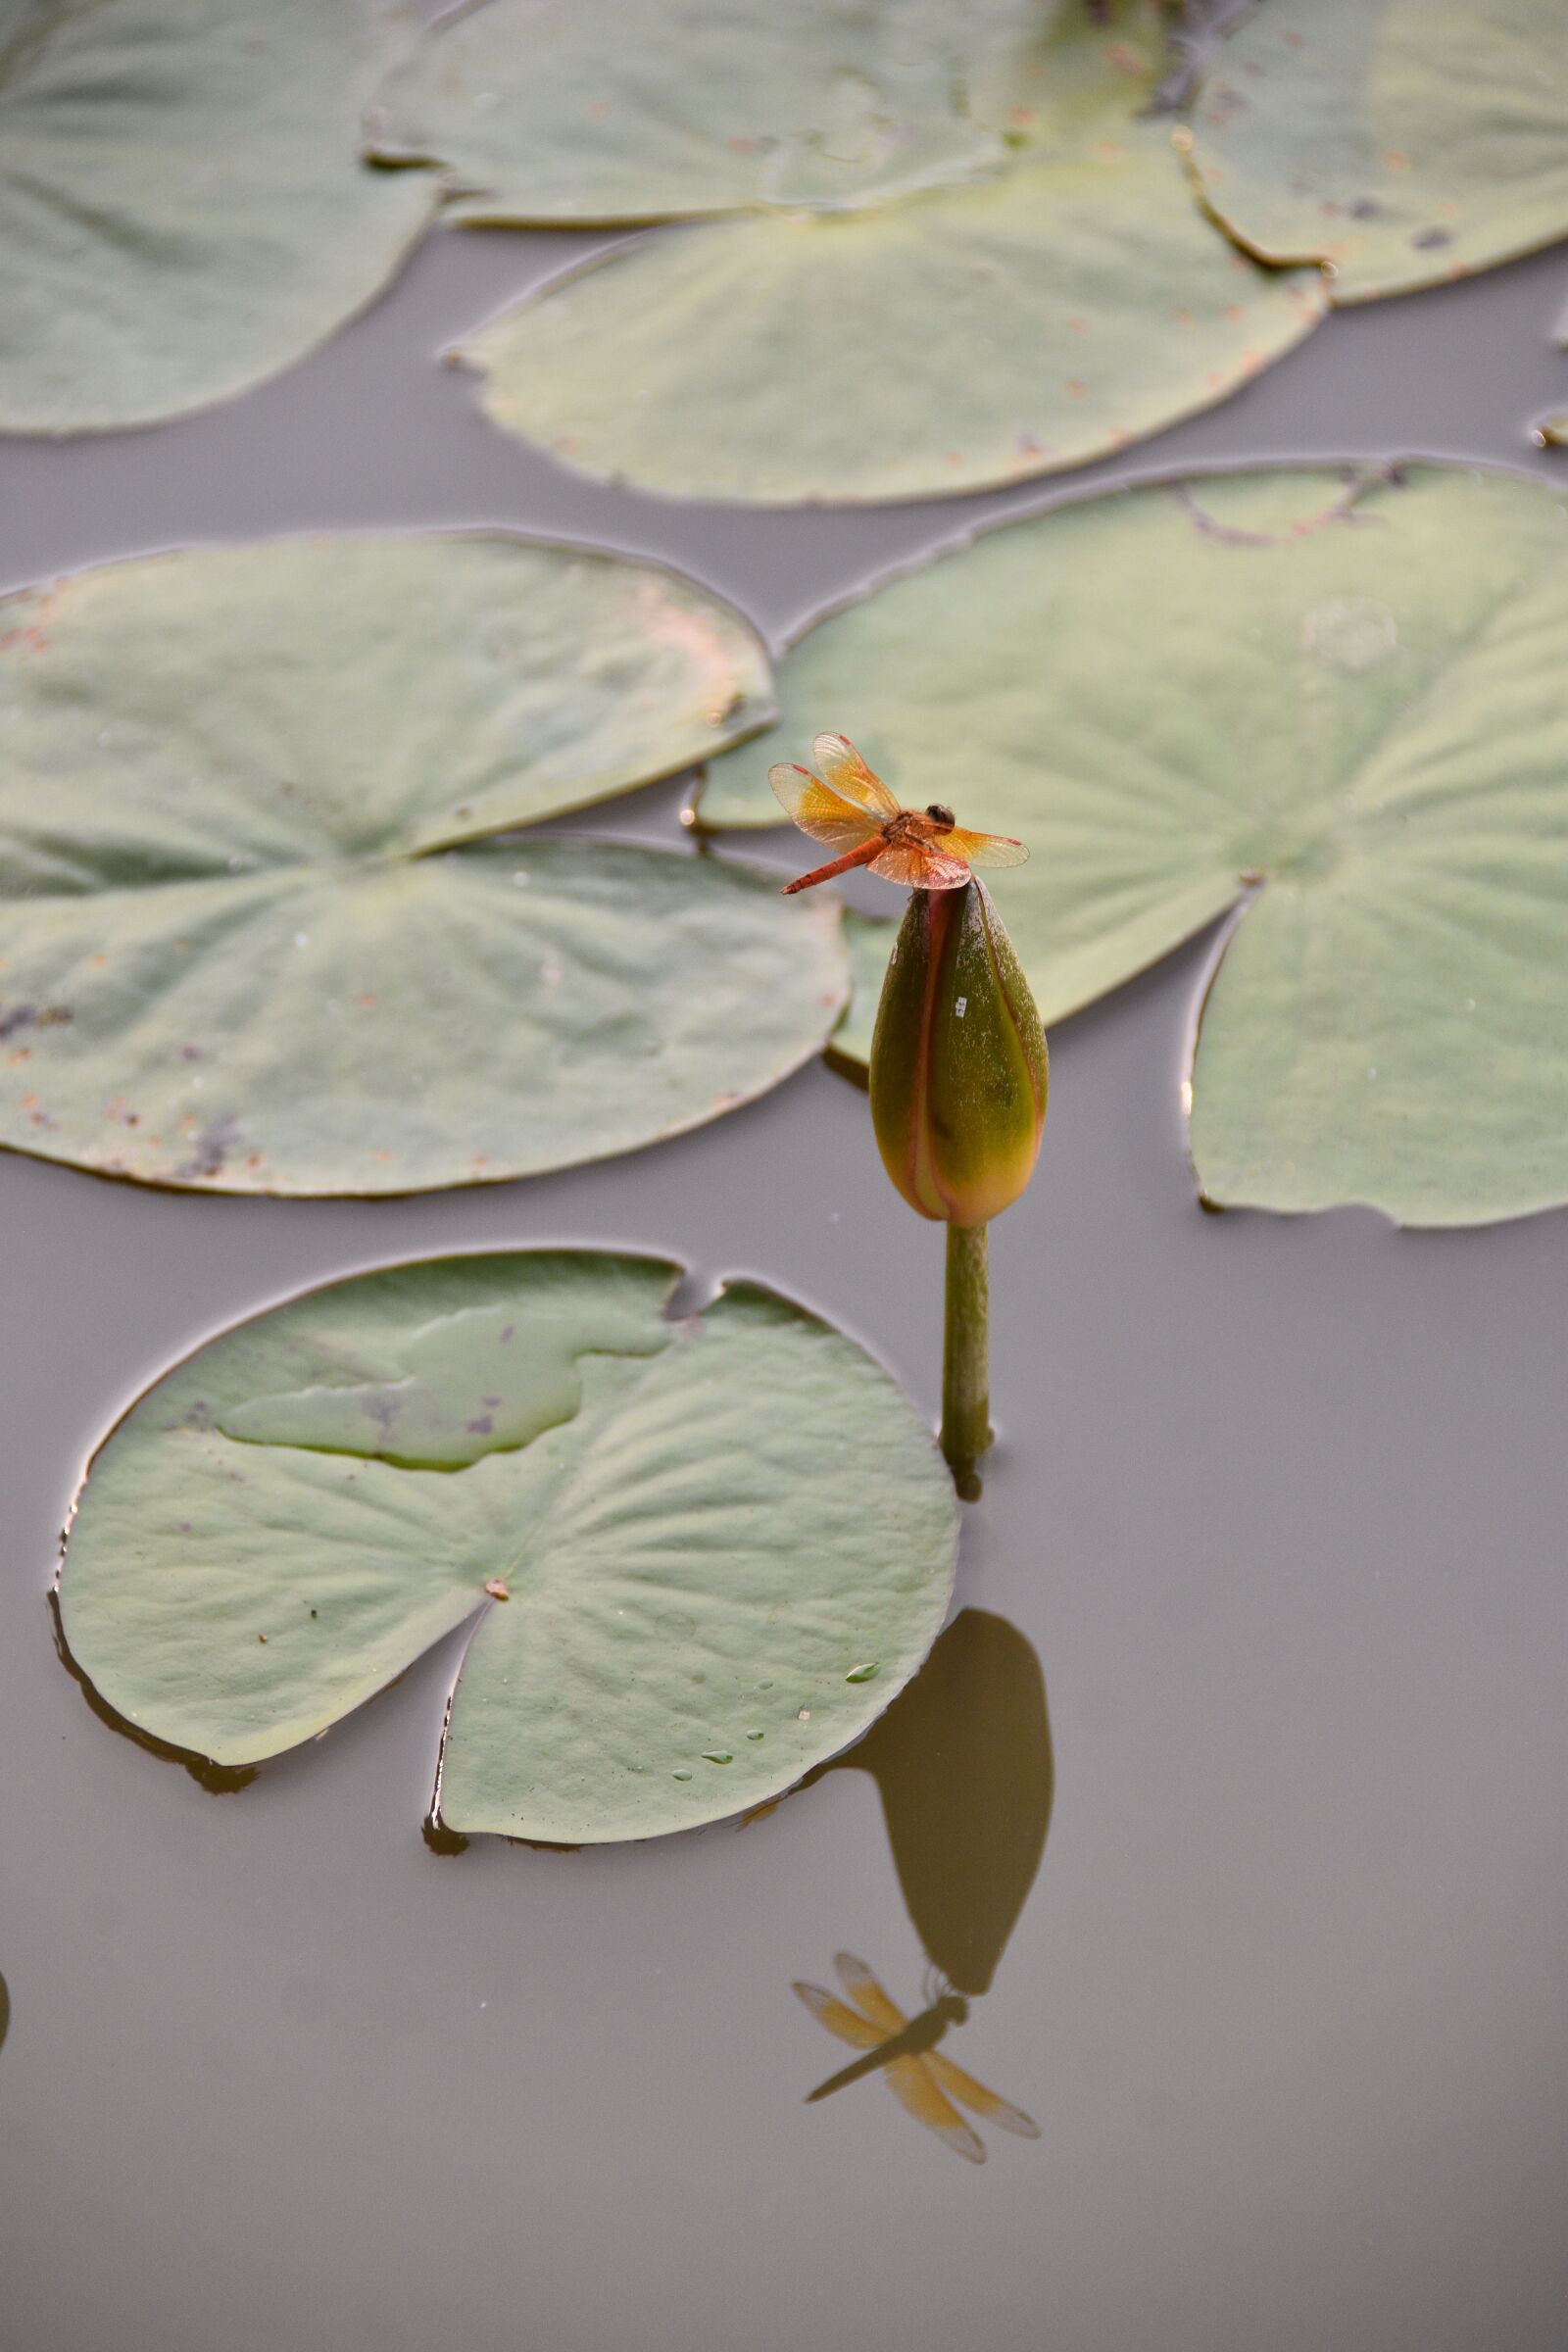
[[966, 1356]]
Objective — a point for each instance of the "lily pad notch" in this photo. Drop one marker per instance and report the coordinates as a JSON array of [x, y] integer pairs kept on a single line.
[[1353, 741], [1397, 147], [698, 1553]]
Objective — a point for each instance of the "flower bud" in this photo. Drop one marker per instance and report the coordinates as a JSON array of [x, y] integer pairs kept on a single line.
[[959, 1068]]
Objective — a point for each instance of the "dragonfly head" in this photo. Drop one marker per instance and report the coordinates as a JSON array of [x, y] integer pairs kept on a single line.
[[953, 2008], [941, 815]]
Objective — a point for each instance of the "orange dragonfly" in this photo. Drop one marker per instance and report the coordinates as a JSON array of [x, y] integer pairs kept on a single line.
[[850, 810], [903, 2050]]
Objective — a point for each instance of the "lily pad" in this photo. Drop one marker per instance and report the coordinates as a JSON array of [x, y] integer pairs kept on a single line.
[[1332, 707], [1398, 146], [699, 1555], [250, 943], [957, 337], [640, 110], [181, 209]]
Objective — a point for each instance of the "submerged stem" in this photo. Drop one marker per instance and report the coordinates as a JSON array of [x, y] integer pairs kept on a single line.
[[966, 1356]]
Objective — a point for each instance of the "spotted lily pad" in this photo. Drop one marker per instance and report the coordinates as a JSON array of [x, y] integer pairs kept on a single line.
[[639, 110], [181, 209], [960, 336], [252, 942], [699, 1555], [1349, 734], [1401, 145]]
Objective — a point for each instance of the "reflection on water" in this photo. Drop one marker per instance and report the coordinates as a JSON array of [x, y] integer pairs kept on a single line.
[[904, 2051], [962, 1762]]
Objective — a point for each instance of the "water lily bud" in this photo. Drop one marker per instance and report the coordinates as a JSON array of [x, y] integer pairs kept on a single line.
[[959, 1068]]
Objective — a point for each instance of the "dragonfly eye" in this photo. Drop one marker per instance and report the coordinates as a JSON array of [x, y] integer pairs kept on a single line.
[[940, 816]]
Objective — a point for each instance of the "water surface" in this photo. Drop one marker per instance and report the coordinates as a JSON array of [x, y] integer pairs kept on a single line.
[[1275, 1522]]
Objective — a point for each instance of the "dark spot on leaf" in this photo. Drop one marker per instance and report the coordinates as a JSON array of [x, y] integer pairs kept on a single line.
[[481, 1426], [211, 1148], [1425, 238], [33, 1016]]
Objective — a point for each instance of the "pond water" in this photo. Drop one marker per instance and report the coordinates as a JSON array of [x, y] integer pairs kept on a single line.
[[1277, 1511]]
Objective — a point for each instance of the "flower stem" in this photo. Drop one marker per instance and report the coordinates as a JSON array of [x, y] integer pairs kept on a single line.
[[966, 1356]]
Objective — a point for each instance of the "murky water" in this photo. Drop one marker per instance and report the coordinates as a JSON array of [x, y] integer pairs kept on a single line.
[[1276, 1523]]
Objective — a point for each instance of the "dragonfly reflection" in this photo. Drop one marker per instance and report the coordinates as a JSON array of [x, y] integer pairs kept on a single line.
[[904, 2051]]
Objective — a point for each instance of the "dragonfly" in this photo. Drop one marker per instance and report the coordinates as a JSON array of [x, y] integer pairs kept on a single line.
[[850, 810], [904, 2051]]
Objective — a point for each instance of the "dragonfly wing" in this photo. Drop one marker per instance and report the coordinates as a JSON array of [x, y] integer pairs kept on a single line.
[[839, 2018], [983, 848], [870, 1995], [919, 867], [820, 811], [841, 763], [980, 2102], [913, 2084]]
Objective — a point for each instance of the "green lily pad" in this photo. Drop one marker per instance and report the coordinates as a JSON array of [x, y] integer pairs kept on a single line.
[[1399, 146], [181, 209], [961, 336], [682, 1543], [637, 110], [250, 942], [1334, 708]]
